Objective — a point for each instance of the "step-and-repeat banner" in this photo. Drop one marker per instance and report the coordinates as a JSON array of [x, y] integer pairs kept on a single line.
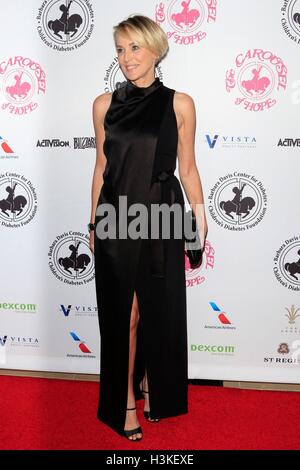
[[240, 63]]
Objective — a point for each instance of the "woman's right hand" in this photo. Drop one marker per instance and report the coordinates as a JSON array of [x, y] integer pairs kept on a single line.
[[92, 241]]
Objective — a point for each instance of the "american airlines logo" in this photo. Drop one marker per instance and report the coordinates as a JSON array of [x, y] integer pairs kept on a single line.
[[81, 344], [224, 321], [5, 146]]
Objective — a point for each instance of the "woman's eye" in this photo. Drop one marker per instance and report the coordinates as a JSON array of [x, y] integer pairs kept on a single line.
[[119, 51], [135, 48]]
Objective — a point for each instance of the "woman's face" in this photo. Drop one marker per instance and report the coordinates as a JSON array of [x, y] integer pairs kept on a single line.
[[135, 61]]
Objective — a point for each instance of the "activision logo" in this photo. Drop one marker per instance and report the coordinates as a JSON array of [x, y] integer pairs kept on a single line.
[[52, 143], [287, 142]]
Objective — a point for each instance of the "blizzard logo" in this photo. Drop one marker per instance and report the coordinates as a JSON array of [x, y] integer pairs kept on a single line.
[[82, 143]]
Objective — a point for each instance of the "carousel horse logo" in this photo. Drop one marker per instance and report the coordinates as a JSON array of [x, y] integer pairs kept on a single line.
[[18, 201], [23, 80], [287, 264], [70, 259], [20, 88], [75, 261], [13, 204], [237, 201], [290, 19], [82, 346], [294, 268], [183, 20], [256, 79], [238, 205], [65, 25]]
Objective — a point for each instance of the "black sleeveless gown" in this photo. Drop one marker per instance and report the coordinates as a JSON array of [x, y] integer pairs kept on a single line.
[[141, 148]]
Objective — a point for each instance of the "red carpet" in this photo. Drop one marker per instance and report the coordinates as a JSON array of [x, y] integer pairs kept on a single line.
[[58, 414]]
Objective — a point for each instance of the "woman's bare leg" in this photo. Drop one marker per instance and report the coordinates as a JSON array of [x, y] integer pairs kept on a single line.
[[131, 417], [145, 388]]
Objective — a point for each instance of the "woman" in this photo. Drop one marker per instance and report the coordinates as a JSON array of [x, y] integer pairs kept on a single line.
[[140, 283]]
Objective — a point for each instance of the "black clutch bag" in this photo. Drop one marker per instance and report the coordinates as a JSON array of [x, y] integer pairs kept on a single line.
[[193, 248]]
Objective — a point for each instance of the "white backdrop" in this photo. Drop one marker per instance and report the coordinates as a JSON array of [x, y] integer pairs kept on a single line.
[[241, 67]]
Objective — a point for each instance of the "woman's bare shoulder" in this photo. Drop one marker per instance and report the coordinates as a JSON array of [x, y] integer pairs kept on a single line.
[[101, 103], [184, 107], [183, 100]]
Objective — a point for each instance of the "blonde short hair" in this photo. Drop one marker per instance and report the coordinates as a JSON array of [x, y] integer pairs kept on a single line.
[[149, 34]]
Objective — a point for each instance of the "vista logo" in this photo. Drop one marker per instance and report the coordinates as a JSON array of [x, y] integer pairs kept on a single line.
[[221, 315], [211, 142], [78, 310], [83, 348], [231, 141], [3, 340]]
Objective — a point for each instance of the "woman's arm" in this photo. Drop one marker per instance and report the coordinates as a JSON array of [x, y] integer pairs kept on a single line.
[[100, 107], [188, 173]]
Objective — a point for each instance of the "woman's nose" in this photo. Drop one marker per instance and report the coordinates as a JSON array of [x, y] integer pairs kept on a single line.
[[127, 55]]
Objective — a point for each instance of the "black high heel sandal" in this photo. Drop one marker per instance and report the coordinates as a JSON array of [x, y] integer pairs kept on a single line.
[[130, 432], [147, 413]]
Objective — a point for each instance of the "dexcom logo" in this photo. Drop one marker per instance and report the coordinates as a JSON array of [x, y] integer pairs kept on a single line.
[[215, 349], [18, 307]]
